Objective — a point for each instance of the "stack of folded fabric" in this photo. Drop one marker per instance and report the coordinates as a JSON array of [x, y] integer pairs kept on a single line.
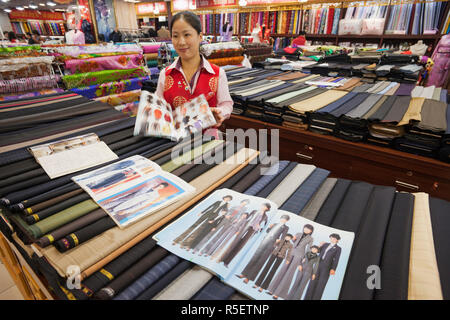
[[257, 52], [108, 73], [26, 71], [224, 53], [426, 118], [151, 53]]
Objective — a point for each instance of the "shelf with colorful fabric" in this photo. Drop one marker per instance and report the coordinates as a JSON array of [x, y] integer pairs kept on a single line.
[[43, 27], [151, 50]]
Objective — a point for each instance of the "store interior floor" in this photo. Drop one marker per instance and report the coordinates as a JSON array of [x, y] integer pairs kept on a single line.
[[8, 290]]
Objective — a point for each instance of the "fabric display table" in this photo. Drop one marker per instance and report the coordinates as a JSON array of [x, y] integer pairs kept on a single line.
[[410, 118], [38, 214]]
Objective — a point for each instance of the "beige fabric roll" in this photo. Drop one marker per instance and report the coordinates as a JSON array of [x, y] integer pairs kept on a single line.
[[424, 281], [317, 102], [151, 56], [186, 285], [413, 112], [94, 250]]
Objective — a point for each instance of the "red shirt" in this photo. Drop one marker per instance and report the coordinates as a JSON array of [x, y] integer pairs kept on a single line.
[[299, 41]]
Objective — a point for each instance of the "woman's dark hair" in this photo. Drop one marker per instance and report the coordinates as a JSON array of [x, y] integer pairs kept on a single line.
[[224, 28], [189, 17], [302, 33], [35, 32], [101, 37], [11, 35], [310, 227]]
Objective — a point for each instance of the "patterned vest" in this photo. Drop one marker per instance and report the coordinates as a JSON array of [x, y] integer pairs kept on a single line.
[[176, 90]]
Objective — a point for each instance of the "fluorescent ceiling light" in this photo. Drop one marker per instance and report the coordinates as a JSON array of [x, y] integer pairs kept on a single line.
[[5, 1], [19, 8], [33, 6], [42, 4], [7, 10], [26, 7], [51, 4]]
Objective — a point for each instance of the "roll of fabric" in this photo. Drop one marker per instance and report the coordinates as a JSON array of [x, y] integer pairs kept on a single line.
[[267, 189], [227, 61], [311, 210], [29, 83], [128, 276], [151, 56], [368, 245], [150, 292], [42, 227], [151, 48], [298, 200], [440, 222], [152, 63], [186, 285], [77, 224], [214, 290], [104, 63], [424, 280], [394, 265], [111, 88], [99, 77], [24, 95], [148, 278], [121, 98], [266, 179], [113, 269], [80, 236], [47, 212]]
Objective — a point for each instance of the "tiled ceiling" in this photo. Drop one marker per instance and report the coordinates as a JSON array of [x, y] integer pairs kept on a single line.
[[11, 4]]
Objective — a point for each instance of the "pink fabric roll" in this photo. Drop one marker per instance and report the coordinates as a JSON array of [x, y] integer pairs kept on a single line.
[[151, 48], [104, 63]]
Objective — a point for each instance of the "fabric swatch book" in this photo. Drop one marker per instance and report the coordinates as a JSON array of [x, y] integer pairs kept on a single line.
[[156, 118], [133, 188], [263, 252], [70, 155]]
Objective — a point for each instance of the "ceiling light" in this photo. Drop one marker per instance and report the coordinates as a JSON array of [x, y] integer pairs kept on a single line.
[[7, 10], [42, 4], [33, 6], [26, 7], [5, 1], [51, 4], [19, 8]]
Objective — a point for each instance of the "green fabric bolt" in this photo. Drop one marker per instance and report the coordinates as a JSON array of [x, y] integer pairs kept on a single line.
[[188, 156], [99, 77], [42, 227], [152, 63]]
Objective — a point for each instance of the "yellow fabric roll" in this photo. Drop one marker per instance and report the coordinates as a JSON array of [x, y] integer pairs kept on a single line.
[[424, 281]]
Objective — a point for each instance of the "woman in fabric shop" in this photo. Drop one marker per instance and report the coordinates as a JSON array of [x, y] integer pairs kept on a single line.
[[191, 75]]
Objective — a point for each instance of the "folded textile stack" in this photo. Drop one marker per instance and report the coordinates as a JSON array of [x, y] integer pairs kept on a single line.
[[426, 118], [257, 52], [100, 71], [289, 53], [26, 71], [151, 53], [224, 53]]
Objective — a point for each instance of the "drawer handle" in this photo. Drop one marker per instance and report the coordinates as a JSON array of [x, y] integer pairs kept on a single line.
[[406, 185], [303, 156]]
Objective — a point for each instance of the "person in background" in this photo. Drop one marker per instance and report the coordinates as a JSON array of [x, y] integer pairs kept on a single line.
[[115, 36], [264, 34], [101, 38], [152, 32], [226, 32], [191, 75], [12, 37], [163, 33], [36, 37], [255, 33], [300, 40]]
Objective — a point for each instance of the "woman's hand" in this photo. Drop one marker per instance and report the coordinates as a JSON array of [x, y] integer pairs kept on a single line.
[[218, 116]]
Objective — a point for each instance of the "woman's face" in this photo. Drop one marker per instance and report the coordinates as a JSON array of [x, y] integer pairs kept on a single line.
[[185, 39]]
